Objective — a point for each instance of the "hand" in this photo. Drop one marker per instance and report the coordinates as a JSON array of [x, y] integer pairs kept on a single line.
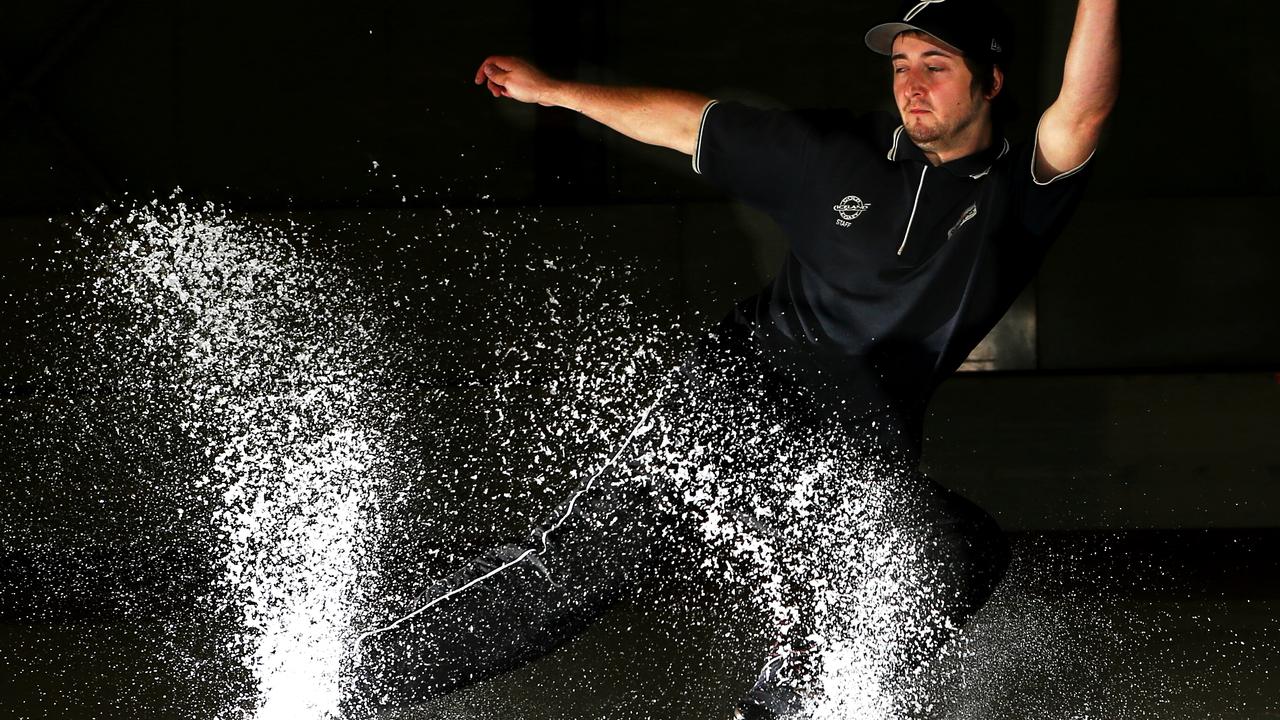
[[515, 78]]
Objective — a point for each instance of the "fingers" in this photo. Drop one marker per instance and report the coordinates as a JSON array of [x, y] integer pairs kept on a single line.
[[496, 74], [494, 63], [485, 71], [486, 75], [498, 70]]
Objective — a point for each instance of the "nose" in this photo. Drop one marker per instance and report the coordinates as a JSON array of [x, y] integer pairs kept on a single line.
[[913, 83]]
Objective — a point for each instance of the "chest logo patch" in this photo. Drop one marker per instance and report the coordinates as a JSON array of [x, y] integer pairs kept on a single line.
[[968, 215], [849, 209]]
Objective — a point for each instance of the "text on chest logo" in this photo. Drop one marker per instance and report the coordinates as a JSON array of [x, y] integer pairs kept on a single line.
[[849, 209]]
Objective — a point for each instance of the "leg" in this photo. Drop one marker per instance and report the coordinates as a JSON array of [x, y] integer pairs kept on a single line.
[[516, 603], [967, 554], [951, 555], [522, 600]]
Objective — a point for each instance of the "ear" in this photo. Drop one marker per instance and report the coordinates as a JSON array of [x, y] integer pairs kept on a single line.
[[997, 83]]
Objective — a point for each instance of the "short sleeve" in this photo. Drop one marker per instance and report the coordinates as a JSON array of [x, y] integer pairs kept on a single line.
[[1045, 204], [755, 155]]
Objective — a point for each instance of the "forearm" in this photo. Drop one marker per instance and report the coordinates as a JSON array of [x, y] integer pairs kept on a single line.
[[1091, 74], [669, 118], [656, 116]]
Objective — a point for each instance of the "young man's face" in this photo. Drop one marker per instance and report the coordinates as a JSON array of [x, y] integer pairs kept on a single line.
[[935, 91]]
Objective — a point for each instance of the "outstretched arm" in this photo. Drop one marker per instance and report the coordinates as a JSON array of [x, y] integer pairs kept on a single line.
[[1070, 128], [656, 116]]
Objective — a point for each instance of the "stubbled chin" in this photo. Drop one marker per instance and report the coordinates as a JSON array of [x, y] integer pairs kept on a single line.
[[919, 131]]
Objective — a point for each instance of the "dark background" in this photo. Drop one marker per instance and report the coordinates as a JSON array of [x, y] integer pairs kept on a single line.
[[1151, 401], [1147, 408]]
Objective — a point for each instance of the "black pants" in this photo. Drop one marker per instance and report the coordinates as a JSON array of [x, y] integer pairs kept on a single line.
[[523, 599]]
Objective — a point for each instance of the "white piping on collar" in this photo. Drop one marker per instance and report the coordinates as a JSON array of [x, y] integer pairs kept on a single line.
[[897, 136], [893, 151], [1003, 150]]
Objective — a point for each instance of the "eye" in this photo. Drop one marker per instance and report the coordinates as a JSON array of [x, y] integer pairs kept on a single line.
[[935, 68], [899, 70]]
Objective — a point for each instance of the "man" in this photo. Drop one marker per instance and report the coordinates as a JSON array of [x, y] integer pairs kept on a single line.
[[910, 237]]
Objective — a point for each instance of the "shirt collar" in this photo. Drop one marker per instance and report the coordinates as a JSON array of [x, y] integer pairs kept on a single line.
[[974, 166]]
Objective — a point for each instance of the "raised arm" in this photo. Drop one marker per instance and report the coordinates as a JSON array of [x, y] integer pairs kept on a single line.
[[1070, 128], [656, 116]]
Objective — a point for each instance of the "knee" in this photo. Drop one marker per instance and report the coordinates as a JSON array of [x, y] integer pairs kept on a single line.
[[972, 557]]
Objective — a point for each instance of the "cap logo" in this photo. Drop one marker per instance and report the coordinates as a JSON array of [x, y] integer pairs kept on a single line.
[[995, 46], [916, 10]]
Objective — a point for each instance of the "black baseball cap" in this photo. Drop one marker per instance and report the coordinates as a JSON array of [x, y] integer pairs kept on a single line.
[[975, 27]]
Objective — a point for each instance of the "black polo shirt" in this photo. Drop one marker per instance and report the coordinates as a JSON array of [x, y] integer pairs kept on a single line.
[[896, 268]]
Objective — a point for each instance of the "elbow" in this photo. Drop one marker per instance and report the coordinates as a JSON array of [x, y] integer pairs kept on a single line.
[[1097, 115], [1092, 119], [1105, 102], [1089, 124]]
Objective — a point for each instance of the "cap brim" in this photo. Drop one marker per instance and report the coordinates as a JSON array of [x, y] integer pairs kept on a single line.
[[880, 38]]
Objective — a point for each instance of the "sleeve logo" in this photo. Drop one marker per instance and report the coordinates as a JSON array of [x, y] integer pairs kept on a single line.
[[849, 209]]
